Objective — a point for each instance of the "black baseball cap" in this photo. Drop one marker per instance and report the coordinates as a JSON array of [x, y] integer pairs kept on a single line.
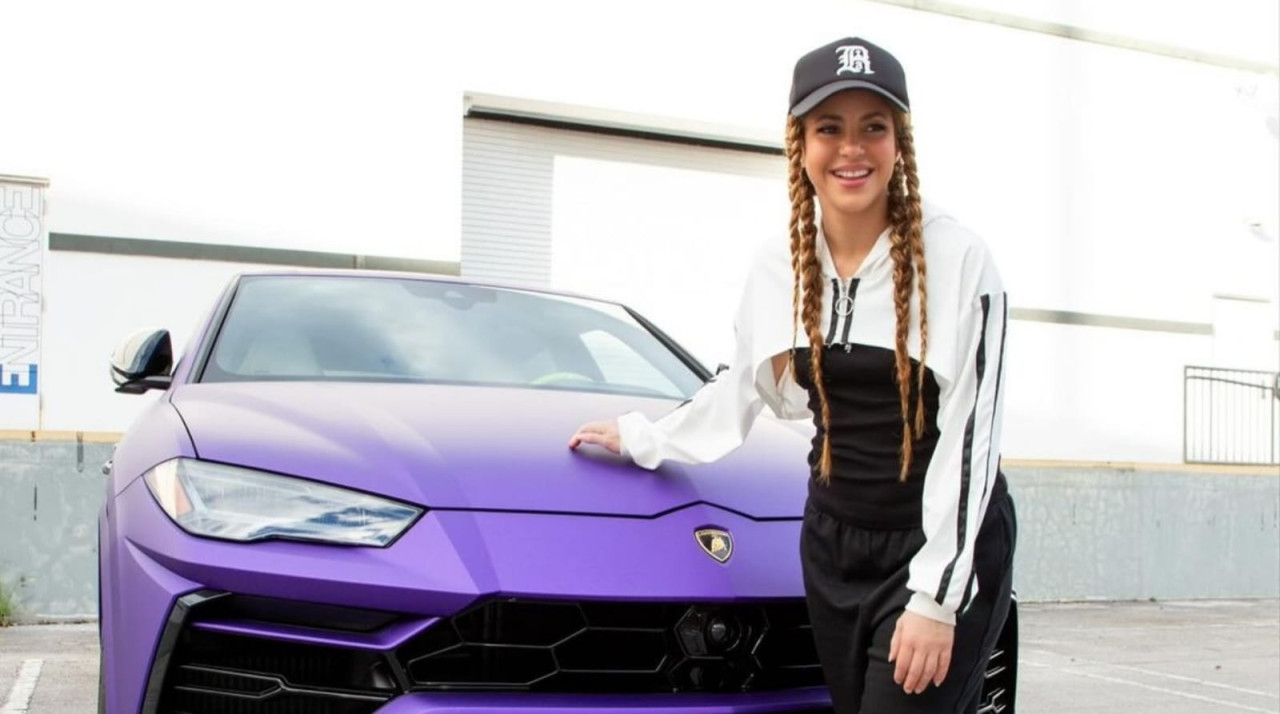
[[851, 63]]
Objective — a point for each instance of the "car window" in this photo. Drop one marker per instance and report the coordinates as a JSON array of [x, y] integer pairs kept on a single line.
[[342, 328], [622, 365]]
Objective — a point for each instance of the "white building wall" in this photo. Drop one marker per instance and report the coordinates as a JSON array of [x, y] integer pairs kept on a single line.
[[1107, 181]]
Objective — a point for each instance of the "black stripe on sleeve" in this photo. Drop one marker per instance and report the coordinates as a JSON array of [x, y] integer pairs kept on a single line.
[[965, 469], [1004, 330]]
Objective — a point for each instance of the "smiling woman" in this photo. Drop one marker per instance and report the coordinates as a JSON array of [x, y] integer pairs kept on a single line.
[[884, 321]]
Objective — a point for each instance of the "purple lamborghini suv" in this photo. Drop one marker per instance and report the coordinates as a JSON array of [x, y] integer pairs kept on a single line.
[[354, 494]]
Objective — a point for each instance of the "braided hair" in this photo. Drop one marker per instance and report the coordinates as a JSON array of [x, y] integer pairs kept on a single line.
[[907, 252]]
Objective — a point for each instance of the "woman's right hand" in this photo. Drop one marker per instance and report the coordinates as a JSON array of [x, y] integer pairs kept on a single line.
[[600, 433]]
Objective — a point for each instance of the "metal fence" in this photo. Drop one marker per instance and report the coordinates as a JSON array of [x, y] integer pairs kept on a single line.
[[1230, 416]]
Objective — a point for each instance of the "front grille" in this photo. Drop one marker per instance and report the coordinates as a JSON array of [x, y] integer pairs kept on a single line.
[[504, 645], [236, 674], [507, 644], [228, 673], [263, 697], [616, 647]]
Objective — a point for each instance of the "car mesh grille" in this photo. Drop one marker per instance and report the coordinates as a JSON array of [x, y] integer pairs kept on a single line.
[[507, 644], [616, 647], [513, 645], [205, 690], [236, 674]]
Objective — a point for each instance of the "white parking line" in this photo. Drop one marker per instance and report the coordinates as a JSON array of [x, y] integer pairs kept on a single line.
[[1163, 690], [1081, 660], [20, 694]]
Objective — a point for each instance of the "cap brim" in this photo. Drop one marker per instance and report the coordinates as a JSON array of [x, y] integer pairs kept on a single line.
[[815, 97]]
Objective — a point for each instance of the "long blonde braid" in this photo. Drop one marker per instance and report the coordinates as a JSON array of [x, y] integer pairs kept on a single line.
[[906, 220], [806, 294]]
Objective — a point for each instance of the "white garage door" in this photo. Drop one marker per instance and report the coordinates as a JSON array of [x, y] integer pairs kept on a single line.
[[667, 228]]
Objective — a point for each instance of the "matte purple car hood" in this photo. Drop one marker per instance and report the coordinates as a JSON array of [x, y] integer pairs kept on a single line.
[[479, 448]]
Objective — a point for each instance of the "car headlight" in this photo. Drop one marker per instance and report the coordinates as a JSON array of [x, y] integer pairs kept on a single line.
[[239, 504]]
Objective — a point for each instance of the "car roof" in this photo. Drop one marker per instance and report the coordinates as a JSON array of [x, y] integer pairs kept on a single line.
[[408, 275]]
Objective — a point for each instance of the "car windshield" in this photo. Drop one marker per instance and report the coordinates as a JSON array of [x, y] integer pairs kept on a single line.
[[383, 329]]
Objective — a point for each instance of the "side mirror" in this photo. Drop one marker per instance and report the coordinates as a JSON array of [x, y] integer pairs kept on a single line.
[[142, 362]]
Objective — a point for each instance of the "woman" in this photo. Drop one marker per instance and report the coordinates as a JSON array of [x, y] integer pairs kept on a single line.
[[908, 535]]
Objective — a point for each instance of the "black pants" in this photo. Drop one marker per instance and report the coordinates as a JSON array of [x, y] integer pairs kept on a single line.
[[855, 586]]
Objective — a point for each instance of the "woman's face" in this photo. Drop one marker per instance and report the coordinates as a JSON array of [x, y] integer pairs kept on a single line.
[[849, 153]]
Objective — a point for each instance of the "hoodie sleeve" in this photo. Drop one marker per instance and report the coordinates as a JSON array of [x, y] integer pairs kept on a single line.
[[706, 427], [962, 471], [716, 420]]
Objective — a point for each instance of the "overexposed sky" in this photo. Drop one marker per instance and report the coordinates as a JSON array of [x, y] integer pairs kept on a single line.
[[1247, 29]]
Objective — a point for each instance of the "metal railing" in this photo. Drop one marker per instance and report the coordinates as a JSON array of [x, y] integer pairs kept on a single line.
[[1230, 416]]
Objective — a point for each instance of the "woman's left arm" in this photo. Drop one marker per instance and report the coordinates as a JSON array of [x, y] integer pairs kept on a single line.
[[959, 478], [962, 472]]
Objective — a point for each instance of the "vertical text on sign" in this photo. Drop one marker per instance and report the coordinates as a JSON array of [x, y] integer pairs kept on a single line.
[[21, 254]]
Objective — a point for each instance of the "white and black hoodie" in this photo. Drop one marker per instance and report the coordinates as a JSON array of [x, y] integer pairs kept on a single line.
[[955, 461]]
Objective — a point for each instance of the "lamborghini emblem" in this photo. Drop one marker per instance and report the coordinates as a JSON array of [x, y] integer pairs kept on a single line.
[[715, 542]]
